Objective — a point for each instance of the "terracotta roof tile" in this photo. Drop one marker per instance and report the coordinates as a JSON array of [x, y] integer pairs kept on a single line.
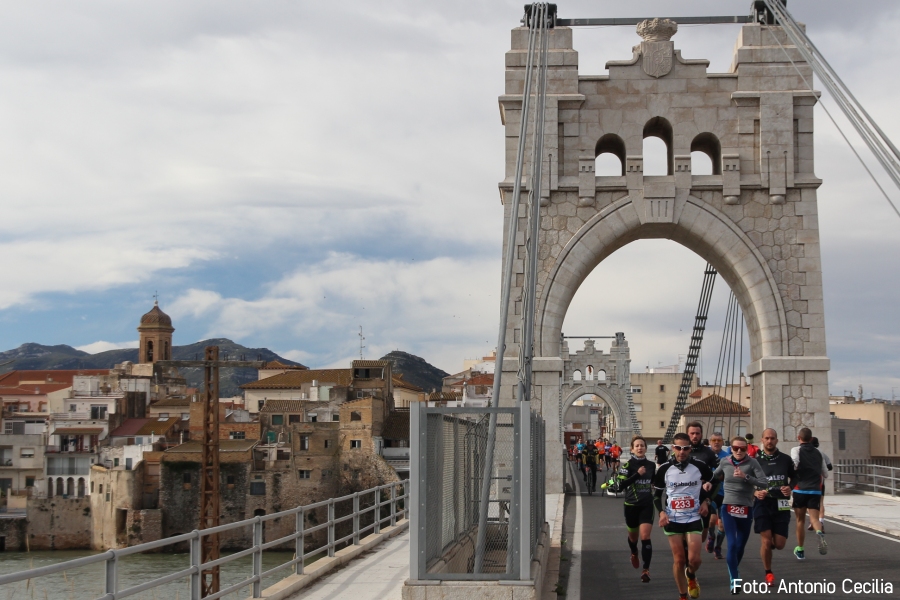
[[396, 426], [287, 406], [399, 382], [294, 379], [698, 393], [275, 364], [224, 446], [157, 426], [171, 402], [371, 363], [129, 428], [45, 380], [438, 396], [715, 404]]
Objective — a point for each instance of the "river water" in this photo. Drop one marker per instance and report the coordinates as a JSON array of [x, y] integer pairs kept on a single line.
[[87, 583]]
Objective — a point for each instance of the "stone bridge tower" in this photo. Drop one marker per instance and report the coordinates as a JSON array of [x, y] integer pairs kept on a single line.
[[754, 219]]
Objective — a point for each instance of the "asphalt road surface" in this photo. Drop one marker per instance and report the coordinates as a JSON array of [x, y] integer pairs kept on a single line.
[[596, 560]]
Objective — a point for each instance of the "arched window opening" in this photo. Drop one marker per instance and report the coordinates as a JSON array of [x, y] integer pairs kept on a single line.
[[708, 144], [81, 487], [149, 351], [166, 351], [610, 156], [601, 375], [49, 487], [576, 376], [70, 487], [59, 487], [589, 372], [659, 157]]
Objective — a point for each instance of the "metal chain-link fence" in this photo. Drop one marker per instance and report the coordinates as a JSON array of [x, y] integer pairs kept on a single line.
[[450, 447]]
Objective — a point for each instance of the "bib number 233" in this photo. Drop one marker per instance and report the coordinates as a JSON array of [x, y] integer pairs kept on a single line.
[[682, 503]]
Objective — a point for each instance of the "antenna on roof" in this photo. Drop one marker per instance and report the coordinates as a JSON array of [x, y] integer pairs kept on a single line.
[[361, 340]]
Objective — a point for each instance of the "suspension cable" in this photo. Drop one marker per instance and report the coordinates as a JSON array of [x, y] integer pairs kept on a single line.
[[874, 137]]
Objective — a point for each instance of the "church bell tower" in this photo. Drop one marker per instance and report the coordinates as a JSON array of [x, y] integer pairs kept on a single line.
[[156, 336]]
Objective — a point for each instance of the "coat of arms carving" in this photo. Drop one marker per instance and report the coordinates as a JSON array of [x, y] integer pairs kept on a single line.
[[657, 50]]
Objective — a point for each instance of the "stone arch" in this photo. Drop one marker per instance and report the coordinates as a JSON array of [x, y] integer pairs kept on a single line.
[[601, 375], [81, 487], [659, 127], [706, 231], [589, 373], [709, 144], [70, 487], [59, 486], [49, 487], [618, 407], [576, 375], [611, 144]]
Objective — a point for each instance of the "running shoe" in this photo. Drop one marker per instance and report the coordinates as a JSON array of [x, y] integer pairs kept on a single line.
[[710, 543], [645, 576], [799, 553], [770, 579], [719, 553], [693, 585], [810, 528], [634, 561], [735, 590], [823, 546]]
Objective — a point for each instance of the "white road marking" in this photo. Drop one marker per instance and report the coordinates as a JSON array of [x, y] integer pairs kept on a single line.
[[842, 524]]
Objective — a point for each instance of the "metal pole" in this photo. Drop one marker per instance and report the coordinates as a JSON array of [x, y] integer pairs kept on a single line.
[[377, 528], [331, 528], [356, 518], [257, 557], [196, 576], [111, 573], [299, 549], [524, 524], [504, 305]]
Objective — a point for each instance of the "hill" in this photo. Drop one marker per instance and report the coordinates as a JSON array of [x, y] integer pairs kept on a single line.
[[38, 357], [416, 370]]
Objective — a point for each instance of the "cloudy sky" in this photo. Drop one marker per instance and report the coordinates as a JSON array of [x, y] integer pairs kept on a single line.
[[283, 173]]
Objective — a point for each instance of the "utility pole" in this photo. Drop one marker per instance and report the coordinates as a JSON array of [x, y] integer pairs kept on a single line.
[[209, 457], [361, 340]]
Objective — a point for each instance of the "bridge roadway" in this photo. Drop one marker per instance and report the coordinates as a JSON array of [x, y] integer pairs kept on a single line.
[[596, 561]]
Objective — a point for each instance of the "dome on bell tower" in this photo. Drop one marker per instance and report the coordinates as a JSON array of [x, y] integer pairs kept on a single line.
[[156, 336]]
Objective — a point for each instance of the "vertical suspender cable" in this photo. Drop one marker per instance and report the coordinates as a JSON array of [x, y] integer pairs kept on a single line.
[[512, 228]]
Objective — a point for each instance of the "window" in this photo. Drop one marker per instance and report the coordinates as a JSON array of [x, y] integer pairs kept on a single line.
[[237, 435], [257, 488], [293, 419], [26, 453], [304, 442], [662, 388], [149, 351], [73, 407], [260, 405], [185, 478], [328, 443], [359, 393], [29, 482], [313, 418], [356, 443], [335, 417], [277, 419], [115, 462], [283, 455], [842, 439], [662, 424], [163, 416], [128, 464], [304, 474], [355, 416], [229, 480], [101, 487], [92, 487], [98, 411], [185, 416], [636, 389], [662, 406]]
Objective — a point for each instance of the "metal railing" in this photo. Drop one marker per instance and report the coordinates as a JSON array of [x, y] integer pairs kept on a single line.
[[449, 449], [867, 477], [395, 503]]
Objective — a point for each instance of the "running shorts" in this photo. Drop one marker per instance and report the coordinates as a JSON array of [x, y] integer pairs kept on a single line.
[[637, 515], [705, 520], [683, 528], [767, 517], [813, 501]]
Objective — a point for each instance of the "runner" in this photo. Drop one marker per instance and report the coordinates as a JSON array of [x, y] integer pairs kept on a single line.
[[580, 449], [717, 528], [752, 449], [607, 449], [591, 460], [772, 513], [815, 443], [742, 476], [705, 455], [616, 451], [811, 470], [681, 490], [601, 451], [662, 453], [635, 478]]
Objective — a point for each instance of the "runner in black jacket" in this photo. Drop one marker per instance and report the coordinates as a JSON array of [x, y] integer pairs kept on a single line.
[[772, 513], [635, 478], [707, 456]]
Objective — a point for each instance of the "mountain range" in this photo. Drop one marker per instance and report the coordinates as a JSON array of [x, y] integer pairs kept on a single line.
[[31, 356]]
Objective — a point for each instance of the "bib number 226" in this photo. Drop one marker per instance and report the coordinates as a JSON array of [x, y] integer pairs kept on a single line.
[[741, 512]]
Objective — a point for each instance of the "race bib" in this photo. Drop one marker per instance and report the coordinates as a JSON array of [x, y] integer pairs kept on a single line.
[[678, 503], [784, 504], [740, 512]]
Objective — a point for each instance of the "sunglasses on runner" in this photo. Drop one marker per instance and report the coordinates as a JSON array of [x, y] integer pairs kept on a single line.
[[739, 448], [677, 447]]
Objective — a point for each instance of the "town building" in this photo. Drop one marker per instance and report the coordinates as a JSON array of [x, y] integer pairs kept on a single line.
[[716, 413], [21, 461], [654, 395], [884, 428]]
